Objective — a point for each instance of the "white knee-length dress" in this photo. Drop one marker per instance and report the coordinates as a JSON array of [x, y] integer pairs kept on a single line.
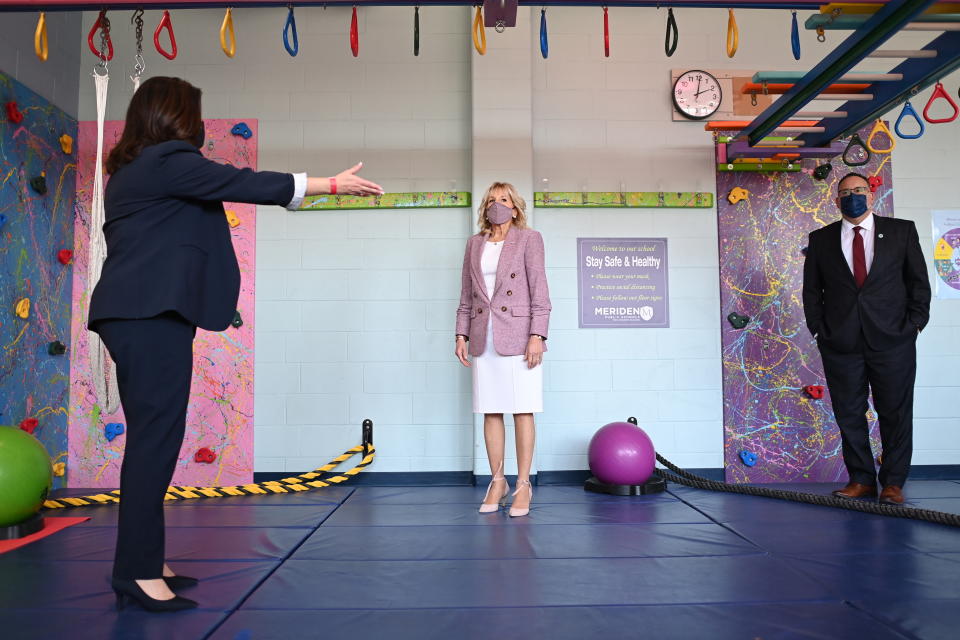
[[503, 384]]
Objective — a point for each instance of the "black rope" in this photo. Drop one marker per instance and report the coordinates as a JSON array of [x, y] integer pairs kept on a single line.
[[679, 476]]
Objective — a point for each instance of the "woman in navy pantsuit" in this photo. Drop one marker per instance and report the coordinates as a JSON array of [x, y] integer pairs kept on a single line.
[[170, 268]]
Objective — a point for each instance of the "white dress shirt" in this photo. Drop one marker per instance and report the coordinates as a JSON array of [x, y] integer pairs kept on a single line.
[[846, 240], [299, 191]]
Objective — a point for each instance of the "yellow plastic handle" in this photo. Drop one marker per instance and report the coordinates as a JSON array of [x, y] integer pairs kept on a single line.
[[733, 35], [227, 25], [880, 127], [479, 33], [40, 38], [23, 308]]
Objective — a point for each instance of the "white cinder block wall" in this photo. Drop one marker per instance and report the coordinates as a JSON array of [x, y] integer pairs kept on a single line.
[[58, 78], [355, 310]]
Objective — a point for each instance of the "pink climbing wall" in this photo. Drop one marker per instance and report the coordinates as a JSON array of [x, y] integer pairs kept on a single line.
[[220, 416]]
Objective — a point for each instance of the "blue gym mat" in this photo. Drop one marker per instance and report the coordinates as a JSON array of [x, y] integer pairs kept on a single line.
[[420, 562]]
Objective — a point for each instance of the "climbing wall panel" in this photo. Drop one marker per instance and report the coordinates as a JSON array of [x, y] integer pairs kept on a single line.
[[774, 431], [220, 417], [37, 192]]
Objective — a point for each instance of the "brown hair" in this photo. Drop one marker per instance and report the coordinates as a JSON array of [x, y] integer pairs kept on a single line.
[[519, 205], [162, 109]]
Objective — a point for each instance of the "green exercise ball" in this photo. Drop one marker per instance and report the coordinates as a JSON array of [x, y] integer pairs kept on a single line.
[[26, 475]]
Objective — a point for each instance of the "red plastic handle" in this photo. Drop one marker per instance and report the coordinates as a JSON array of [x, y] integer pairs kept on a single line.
[[93, 31], [606, 33], [354, 35], [165, 23], [13, 113], [939, 92]]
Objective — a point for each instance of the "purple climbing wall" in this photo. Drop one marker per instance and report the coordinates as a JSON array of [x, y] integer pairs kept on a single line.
[[767, 363]]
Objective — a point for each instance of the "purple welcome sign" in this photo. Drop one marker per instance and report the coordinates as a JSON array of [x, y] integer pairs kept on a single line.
[[623, 282]]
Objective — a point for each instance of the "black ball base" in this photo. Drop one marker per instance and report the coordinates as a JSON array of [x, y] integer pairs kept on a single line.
[[22, 529], [655, 484]]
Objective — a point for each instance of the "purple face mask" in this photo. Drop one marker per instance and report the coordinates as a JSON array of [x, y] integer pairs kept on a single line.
[[499, 213]]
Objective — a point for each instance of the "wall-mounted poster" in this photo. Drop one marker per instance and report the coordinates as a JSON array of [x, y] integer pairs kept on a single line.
[[946, 254], [623, 282]]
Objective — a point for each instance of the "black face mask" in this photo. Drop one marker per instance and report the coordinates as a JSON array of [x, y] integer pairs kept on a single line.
[[201, 137]]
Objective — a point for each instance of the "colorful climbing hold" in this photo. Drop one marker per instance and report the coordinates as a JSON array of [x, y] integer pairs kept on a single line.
[[815, 391], [822, 171], [204, 455], [232, 218], [3, 220], [66, 143], [242, 129], [13, 113], [56, 348], [23, 308], [59, 468], [29, 424], [874, 182], [39, 183], [112, 429], [237, 321], [748, 458], [738, 321], [737, 194], [64, 256]]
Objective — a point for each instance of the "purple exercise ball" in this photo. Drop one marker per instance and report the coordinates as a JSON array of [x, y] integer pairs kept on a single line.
[[621, 453]]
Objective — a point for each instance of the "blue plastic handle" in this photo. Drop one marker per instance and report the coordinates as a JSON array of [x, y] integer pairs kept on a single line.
[[291, 27], [908, 110], [544, 45], [795, 37]]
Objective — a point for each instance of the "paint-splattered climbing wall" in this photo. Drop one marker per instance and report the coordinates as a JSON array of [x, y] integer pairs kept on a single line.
[[770, 359], [220, 416], [37, 177]]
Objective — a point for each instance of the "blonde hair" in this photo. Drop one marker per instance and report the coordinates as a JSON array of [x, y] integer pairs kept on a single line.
[[519, 205]]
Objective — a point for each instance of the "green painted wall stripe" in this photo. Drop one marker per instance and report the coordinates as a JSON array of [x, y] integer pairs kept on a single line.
[[410, 200], [626, 199]]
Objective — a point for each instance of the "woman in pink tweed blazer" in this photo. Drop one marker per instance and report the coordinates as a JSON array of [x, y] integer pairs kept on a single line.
[[502, 322]]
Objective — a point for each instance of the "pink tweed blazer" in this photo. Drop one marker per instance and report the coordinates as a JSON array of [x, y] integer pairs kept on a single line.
[[521, 300]]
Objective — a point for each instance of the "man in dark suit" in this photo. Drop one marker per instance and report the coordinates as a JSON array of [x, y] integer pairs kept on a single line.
[[866, 297]]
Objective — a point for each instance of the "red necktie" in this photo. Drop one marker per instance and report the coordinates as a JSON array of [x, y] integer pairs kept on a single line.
[[859, 257]]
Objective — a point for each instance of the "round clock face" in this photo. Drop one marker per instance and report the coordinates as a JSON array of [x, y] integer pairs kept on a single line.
[[697, 95]]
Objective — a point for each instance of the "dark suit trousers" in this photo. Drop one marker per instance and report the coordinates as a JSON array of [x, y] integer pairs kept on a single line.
[[890, 376], [154, 358]]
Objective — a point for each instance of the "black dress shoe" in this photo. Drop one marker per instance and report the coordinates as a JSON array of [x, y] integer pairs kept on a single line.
[[129, 591], [180, 582]]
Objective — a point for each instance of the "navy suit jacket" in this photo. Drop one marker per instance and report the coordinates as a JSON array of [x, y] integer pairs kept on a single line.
[[168, 239]]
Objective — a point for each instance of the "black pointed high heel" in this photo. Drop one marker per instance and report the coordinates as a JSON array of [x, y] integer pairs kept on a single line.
[[180, 582], [129, 591]]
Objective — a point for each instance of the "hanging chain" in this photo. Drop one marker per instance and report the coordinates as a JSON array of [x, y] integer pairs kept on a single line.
[[137, 20], [104, 38]]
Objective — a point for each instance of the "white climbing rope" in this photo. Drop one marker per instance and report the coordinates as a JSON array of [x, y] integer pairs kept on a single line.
[[101, 366]]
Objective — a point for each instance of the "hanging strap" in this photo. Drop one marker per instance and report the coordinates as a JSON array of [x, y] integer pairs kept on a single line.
[[672, 32], [226, 29], [733, 35], [103, 25], [104, 379], [165, 24], [909, 111], [544, 44], [416, 30], [606, 33], [40, 44], [880, 127], [795, 36], [938, 93], [856, 141], [290, 28], [354, 34], [479, 34]]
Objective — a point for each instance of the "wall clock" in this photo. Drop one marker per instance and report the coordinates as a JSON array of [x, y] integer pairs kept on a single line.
[[696, 94]]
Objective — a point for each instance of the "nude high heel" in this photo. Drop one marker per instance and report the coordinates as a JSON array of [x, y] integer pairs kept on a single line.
[[490, 508], [516, 512]]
